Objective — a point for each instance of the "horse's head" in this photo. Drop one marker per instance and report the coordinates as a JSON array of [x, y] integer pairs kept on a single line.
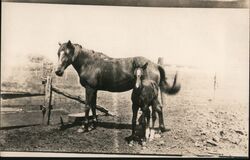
[[139, 72], [65, 57]]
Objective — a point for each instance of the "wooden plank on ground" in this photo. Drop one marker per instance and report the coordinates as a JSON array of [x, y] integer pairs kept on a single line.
[[78, 117]]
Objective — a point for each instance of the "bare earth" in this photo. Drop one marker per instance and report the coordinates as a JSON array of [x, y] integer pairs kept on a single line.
[[201, 122]]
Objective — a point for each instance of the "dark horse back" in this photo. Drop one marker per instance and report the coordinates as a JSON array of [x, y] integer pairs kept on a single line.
[[114, 74]]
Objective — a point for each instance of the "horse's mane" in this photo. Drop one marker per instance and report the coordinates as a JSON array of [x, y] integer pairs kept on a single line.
[[92, 53]]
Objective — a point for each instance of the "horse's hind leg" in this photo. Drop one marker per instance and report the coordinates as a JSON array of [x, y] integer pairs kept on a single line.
[[158, 105], [160, 115]]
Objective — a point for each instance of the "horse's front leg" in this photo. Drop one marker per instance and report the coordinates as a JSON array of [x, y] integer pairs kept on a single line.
[[93, 108], [135, 109], [90, 96], [86, 119]]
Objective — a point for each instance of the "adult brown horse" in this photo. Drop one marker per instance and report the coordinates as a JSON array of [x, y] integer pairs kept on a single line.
[[100, 72]]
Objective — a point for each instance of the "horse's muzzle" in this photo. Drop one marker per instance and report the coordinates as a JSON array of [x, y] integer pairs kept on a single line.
[[59, 73]]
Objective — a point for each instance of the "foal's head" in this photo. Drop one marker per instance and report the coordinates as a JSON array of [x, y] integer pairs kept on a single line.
[[139, 73], [66, 55]]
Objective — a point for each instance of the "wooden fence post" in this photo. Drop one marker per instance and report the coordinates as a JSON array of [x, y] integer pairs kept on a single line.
[[215, 84], [161, 63], [48, 98]]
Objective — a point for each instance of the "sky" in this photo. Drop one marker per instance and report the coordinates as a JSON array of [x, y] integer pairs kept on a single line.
[[206, 38]]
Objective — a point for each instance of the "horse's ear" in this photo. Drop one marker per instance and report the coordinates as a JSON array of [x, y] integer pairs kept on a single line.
[[145, 66], [134, 64], [59, 43], [69, 44]]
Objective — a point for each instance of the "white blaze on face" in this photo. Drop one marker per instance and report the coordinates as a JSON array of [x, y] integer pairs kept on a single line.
[[60, 60], [60, 57], [67, 51], [138, 78]]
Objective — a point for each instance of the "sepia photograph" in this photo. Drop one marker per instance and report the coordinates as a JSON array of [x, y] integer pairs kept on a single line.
[[125, 79]]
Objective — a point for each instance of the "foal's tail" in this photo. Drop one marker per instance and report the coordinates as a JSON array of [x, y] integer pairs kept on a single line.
[[165, 87]]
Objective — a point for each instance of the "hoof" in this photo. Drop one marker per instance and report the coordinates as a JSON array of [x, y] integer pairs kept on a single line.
[[92, 127], [86, 129], [131, 139], [143, 141], [163, 129], [131, 143], [80, 130], [94, 124]]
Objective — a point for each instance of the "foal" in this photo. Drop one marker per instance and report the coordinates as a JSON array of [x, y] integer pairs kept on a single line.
[[144, 95]]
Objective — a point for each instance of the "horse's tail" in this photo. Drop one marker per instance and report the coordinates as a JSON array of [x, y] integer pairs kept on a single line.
[[164, 86]]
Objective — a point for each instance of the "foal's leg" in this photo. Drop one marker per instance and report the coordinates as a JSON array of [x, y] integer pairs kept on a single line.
[[143, 123], [153, 116], [147, 132], [154, 107], [152, 131], [134, 118]]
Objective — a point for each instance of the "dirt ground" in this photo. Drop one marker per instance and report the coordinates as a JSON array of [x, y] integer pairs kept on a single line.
[[201, 122]]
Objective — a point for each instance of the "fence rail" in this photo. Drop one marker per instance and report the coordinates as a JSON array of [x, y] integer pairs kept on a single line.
[[12, 95], [47, 106]]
